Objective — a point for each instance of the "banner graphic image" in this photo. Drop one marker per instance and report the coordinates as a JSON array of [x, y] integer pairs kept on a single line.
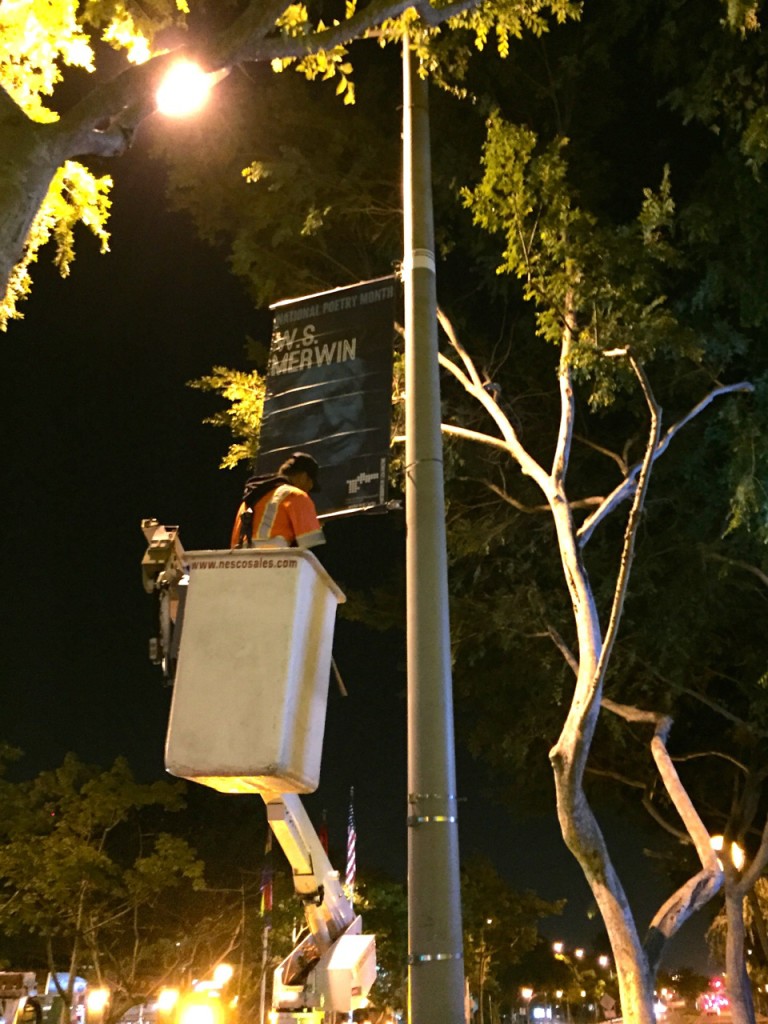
[[329, 391]]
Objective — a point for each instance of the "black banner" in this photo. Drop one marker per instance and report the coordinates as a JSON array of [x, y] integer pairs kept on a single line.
[[329, 390]]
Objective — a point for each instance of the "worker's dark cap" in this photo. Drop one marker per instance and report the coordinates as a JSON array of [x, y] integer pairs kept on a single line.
[[300, 462]]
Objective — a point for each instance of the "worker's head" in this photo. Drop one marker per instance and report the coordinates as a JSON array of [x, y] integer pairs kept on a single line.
[[302, 471]]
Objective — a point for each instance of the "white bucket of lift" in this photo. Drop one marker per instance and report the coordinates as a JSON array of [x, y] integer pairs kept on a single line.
[[251, 688]]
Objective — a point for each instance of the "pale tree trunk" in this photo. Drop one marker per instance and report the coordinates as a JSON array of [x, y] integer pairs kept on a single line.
[[635, 962], [738, 986]]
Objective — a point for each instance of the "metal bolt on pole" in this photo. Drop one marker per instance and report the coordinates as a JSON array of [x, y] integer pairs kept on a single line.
[[435, 955]]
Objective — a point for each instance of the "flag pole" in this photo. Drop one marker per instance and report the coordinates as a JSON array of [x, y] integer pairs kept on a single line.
[[351, 872], [266, 914]]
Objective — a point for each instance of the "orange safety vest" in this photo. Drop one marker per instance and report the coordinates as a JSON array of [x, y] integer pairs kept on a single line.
[[285, 514]]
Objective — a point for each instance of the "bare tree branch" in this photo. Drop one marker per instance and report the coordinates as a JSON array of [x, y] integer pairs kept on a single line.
[[682, 758], [530, 509], [737, 563], [614, 456], [562, 454], [571, 660], [473, 435], [624, 780], [627, 487], [472, 384], [680, 834], [633, 520]]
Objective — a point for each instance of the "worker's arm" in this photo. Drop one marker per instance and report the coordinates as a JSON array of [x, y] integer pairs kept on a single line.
[[306, 525]]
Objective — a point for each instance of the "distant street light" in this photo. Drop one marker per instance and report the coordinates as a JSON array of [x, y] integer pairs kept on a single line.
[[527, 994], [222, 974], [96, 1003], [738, 856]]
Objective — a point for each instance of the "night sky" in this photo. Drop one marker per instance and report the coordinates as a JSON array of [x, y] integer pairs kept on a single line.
[[99, 432]]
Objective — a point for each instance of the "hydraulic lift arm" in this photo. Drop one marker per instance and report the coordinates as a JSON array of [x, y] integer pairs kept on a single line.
[[333, 968]]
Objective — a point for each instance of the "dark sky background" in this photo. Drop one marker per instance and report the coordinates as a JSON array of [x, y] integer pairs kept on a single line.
[[99, 432]]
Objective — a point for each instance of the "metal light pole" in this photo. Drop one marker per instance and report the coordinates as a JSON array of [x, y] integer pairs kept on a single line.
[[435, 957]]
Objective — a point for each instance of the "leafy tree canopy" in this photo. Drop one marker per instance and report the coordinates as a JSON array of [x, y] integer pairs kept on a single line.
[[42, 40]]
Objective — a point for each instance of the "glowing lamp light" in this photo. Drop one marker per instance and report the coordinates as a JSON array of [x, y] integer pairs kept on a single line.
[[198, 1013], [579, 954], [167, 999], [96, 1000], [526, 993], [603, 960], [737, 854], [184, 89], [557, 947], [223, 973]]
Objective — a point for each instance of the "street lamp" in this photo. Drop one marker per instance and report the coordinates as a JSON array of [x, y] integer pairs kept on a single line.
[[96, 1003], [185, 88], [527, 994]]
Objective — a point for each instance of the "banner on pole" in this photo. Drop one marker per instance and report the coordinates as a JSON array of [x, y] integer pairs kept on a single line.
[[329, 391]]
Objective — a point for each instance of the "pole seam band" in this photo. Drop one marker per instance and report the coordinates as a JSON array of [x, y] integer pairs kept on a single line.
[[419, 259], [424, 958], [432, 819]]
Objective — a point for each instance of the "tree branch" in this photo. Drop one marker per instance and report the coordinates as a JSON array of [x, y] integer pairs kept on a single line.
[[567, 404], [531, 509], [10, 111], [472, 384], [614, 456], [249, 38], [571, 660], [662, 822], [473, 435], [624, 780], [434, 16], [746, 566], [633, 520], [682, 758], [627, 487], [757, 865]]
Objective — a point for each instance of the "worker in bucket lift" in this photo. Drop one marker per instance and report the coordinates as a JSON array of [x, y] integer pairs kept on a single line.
[[277, 511]]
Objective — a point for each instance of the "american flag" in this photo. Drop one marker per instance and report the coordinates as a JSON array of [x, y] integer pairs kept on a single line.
[[349, 880]]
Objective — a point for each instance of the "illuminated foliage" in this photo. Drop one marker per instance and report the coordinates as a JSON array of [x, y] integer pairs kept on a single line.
[[39, 40], [75, 197], [244, 393]]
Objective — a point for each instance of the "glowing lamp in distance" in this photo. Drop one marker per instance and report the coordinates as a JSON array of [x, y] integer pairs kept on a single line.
[[96, 1000], [167, 999], [198, 1013], [222, 974]]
